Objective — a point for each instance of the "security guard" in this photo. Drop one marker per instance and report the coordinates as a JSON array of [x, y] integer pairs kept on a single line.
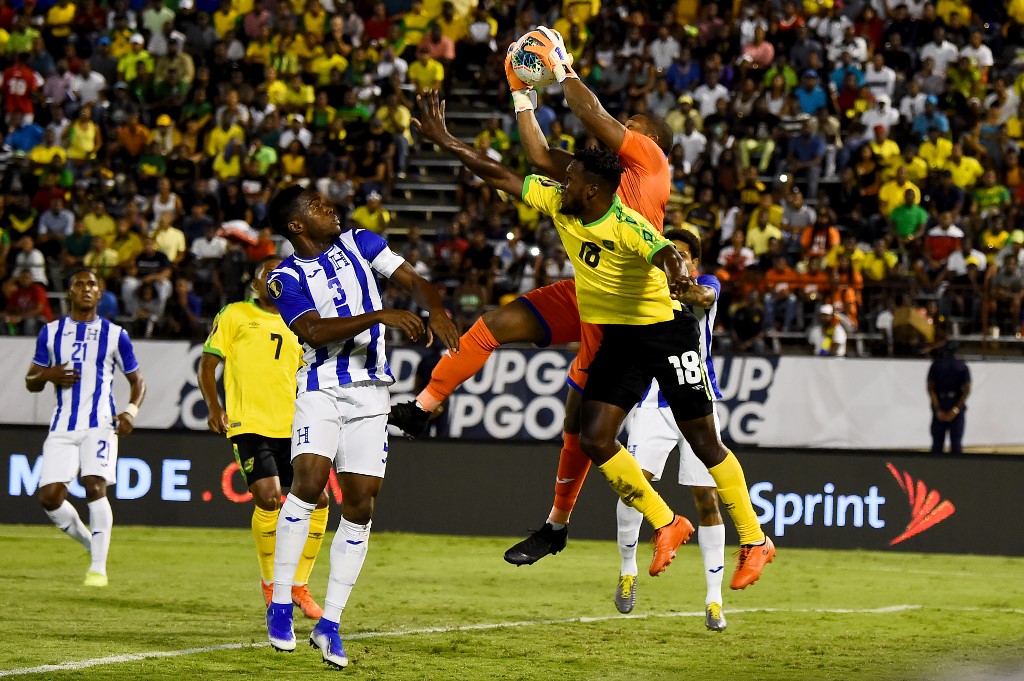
[[949, 384]]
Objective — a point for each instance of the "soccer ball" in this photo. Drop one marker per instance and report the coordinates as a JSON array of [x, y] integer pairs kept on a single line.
[[529, 66]]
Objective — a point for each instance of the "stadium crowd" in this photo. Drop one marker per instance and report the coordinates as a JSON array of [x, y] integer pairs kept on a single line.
[[861, 158]]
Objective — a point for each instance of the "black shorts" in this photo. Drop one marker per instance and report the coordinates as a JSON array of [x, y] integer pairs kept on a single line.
[[630, 356], [261, 457]]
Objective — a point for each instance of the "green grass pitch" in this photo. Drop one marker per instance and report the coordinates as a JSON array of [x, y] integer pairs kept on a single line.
[[438, 607]]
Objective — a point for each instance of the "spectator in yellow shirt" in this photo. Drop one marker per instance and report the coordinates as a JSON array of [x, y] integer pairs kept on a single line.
[[275, 87], [299, 96], [966, 169], [891, 193], [497, 137], [560, 139], [169, 239], [453, 26], [44, 153], [224, 20], [322, 64], [293, 163], [127, 66], [314, 21], [916, 167], [372, 215], [426, 73], [886, 151], [879, 264], [99, 223], [58, 23], [414, 25], [223, 133], [935, 150]]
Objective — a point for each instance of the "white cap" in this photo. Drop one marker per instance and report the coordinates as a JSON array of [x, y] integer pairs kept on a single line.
[[137, 39], [178, 37], [373, 196], [826, 309], [185, 4]]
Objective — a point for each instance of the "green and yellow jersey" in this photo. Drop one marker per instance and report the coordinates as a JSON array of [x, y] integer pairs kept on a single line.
[[615, 280], [261, 356]]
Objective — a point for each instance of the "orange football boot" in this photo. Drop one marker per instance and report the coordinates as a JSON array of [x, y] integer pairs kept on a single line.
[[667, 541], [268, 591], [751, 561], [302, 598]]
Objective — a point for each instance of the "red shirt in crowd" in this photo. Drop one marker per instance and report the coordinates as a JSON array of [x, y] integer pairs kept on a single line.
[[18, 88], [25, 299]]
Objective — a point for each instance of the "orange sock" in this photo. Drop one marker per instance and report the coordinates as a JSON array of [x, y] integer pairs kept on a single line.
[[573, 465], [475, 346]]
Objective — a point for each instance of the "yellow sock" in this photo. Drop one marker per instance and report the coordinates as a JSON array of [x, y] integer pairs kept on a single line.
[[627, 479], [264, 531], [317, 527], [732, 488]]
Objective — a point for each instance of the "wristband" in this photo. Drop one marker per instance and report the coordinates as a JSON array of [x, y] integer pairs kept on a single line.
[[522, 100], [563, 71], [132, 410]]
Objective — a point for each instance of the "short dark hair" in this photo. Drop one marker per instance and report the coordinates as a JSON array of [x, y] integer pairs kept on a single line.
[[80, 270], [283, 209], [662, 131], [264, 260], [602, 164], [688, 238]]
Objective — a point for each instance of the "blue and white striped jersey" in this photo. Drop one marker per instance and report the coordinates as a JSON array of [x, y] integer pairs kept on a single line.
[[338, 283], [653, 399], [93, 349]]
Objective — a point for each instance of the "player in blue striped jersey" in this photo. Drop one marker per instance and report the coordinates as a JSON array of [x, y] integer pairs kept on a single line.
[[327, 293], [653, 434], [79, 354]]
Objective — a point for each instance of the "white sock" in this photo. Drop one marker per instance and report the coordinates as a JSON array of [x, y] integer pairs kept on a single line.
[[292, 530], [101, 521], [711, 539], [555, 526], [67, 521], [629, 522], [348, 551]]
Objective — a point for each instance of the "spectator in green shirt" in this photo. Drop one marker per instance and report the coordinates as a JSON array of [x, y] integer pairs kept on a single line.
[[989, 197], [908, 222]]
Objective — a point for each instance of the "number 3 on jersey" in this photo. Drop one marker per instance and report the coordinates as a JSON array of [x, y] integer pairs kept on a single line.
[[590, 253], [688, 369]]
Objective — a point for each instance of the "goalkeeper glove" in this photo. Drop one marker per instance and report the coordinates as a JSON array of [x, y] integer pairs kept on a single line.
[[552, 52]]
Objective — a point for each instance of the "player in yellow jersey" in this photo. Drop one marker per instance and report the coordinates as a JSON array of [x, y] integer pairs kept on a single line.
[[626, 277], [261, 356]]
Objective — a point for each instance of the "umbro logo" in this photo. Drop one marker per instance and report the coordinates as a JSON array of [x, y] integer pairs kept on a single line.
[[927, 508], [564, 481]]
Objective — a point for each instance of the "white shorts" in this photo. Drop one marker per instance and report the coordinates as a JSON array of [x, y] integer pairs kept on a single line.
[[347, 424], [87, 452], [653, 434]]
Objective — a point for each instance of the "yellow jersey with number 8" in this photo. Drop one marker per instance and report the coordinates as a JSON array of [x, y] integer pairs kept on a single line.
[[615, 280], [261, 357]]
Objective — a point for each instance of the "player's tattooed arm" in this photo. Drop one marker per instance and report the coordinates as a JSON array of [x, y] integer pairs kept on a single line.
[[679, 280], [702, 296]]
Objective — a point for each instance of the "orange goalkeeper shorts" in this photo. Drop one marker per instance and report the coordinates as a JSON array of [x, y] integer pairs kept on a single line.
[[558, 311]]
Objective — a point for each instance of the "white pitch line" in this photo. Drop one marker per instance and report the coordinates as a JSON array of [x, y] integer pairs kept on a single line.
[[157, 654]]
